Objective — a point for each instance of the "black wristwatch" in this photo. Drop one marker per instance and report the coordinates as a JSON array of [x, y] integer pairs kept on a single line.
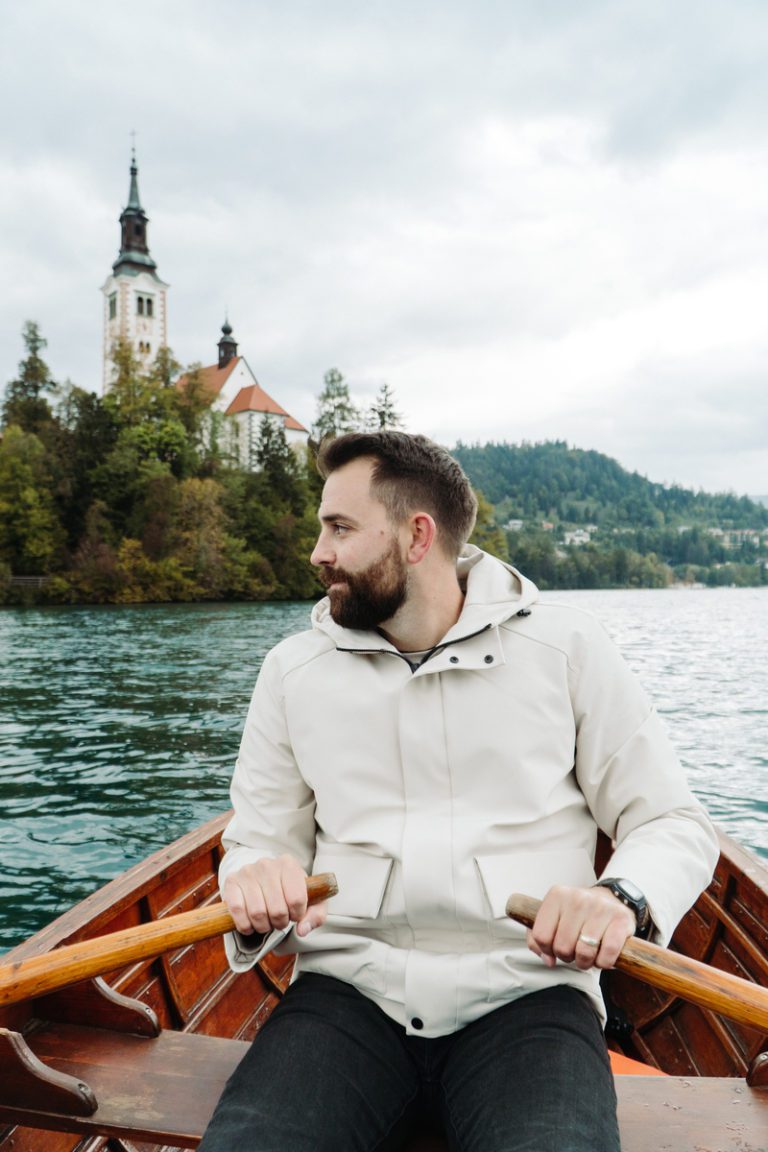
[[631, 895]]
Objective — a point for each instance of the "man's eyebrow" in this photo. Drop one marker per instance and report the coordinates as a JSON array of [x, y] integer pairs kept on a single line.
[[332, 517]]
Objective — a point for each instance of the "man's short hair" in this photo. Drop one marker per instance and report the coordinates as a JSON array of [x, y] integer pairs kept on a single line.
[[410, 474]]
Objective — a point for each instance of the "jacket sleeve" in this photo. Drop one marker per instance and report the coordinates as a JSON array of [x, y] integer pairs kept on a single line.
[[635, 785], [274, 809]]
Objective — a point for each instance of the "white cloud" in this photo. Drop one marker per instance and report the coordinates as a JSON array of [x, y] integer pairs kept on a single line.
[[530, 220]]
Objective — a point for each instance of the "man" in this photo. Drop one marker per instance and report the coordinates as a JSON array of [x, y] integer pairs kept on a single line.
[[439, 740]]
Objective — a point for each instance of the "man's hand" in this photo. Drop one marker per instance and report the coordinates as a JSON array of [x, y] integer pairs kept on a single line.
[[587, 927], [271, 894]]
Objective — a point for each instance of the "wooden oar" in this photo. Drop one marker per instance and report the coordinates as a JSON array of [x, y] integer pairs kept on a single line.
[[699, 983], [73, 962]]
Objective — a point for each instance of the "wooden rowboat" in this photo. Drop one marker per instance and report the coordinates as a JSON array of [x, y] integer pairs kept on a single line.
[[134, 1062]]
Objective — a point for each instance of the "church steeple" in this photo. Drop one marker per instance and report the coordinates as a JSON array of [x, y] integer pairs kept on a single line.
[[227, 345], [134, 295], [134, 250]]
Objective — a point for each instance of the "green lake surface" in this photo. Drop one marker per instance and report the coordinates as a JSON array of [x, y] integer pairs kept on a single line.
[[119, 726]]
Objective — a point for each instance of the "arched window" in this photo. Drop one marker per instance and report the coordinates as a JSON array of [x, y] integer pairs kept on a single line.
[[140, 305], [149, 305]]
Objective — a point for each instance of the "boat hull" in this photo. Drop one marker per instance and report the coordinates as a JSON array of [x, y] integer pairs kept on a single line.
[[192, 993]]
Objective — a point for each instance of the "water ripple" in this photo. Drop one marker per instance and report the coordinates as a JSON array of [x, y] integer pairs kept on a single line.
[[119, 725]]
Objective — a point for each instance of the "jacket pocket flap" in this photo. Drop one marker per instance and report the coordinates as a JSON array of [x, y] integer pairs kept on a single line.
[[532, 874], [362, 881]]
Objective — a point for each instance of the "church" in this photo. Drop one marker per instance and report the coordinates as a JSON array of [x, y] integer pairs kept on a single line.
[[136, 309]]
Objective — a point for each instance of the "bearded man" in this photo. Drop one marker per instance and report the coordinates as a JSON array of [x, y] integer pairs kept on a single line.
[[439, 739]]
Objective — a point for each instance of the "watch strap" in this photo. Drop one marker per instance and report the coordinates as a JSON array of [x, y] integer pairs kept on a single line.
[[636, 904]]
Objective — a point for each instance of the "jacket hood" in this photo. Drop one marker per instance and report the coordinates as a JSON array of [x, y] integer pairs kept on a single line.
[[494, 591]]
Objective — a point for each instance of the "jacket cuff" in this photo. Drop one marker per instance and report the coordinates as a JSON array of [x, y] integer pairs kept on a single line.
[[245, 951]]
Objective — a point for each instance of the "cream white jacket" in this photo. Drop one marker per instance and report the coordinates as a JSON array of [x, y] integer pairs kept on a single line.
[[433, 794]]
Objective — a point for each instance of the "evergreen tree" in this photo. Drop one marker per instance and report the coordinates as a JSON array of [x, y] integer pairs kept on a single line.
[[273, 455], [382, 413], [84, 432], [25, 397], [336, 412]]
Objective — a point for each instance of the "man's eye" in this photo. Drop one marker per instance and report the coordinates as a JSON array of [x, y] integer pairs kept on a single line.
[[340, 529]]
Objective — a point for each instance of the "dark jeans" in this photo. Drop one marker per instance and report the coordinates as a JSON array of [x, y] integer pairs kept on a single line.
[[330, 1072]]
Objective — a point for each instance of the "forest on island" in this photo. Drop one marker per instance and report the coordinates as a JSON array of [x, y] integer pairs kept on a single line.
[[134, 497]]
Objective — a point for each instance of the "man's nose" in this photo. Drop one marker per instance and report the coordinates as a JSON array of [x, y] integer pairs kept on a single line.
[[321, 553]]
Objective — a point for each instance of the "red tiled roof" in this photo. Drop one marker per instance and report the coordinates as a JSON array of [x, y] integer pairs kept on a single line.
[[253, 398], [212, 378]]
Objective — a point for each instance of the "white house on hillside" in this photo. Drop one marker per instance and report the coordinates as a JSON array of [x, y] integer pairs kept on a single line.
[[236, 393]]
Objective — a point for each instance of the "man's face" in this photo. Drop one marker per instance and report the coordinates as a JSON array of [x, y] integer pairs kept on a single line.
[[359, 552]]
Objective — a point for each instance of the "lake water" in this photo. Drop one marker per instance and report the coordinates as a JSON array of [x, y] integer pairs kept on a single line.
[[119, 725]]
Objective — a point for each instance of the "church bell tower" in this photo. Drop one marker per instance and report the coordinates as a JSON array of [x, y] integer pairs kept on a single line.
[[134, 294]]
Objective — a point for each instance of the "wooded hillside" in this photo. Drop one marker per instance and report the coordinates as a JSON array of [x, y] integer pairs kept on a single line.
[[577, 519]]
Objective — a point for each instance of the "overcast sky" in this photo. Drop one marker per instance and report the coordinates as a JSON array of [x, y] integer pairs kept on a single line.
[[534, 220]]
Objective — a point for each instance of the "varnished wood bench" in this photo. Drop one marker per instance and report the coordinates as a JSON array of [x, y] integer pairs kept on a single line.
[[164, 1089]]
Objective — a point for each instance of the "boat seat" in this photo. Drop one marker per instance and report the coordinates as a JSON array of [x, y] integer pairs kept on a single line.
[[164, 1090]]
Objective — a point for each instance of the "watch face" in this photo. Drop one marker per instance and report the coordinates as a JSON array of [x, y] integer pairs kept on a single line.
[[631, 891]]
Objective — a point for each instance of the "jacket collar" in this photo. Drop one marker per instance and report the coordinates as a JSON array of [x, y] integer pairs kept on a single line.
[[494, 591]]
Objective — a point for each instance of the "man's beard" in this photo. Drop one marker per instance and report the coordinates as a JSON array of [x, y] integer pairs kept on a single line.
[[369, 597]]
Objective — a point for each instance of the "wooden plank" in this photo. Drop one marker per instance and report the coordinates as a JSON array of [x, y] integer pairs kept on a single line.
[[691, 1114], [671, 1114], [163, 1089], [167, 1089]]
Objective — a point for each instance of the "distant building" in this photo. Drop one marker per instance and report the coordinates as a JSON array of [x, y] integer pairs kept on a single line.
[[577, 537], [134, 294], [235, 392]]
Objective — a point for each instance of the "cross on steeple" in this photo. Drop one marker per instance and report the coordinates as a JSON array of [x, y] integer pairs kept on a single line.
[[134, 250]]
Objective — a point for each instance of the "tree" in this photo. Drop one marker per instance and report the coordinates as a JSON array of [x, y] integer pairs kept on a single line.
[[30, 533], [487, 534], [202, 536], [125, 396], [86, 432], [336, 412], [25, 402], [164, 368], [382, 413], [274, 456]]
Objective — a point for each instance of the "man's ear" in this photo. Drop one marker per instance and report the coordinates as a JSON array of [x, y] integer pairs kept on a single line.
[[422, 532]]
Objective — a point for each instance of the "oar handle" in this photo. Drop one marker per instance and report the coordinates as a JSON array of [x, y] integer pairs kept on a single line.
[[67, 965], [699, 983]]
